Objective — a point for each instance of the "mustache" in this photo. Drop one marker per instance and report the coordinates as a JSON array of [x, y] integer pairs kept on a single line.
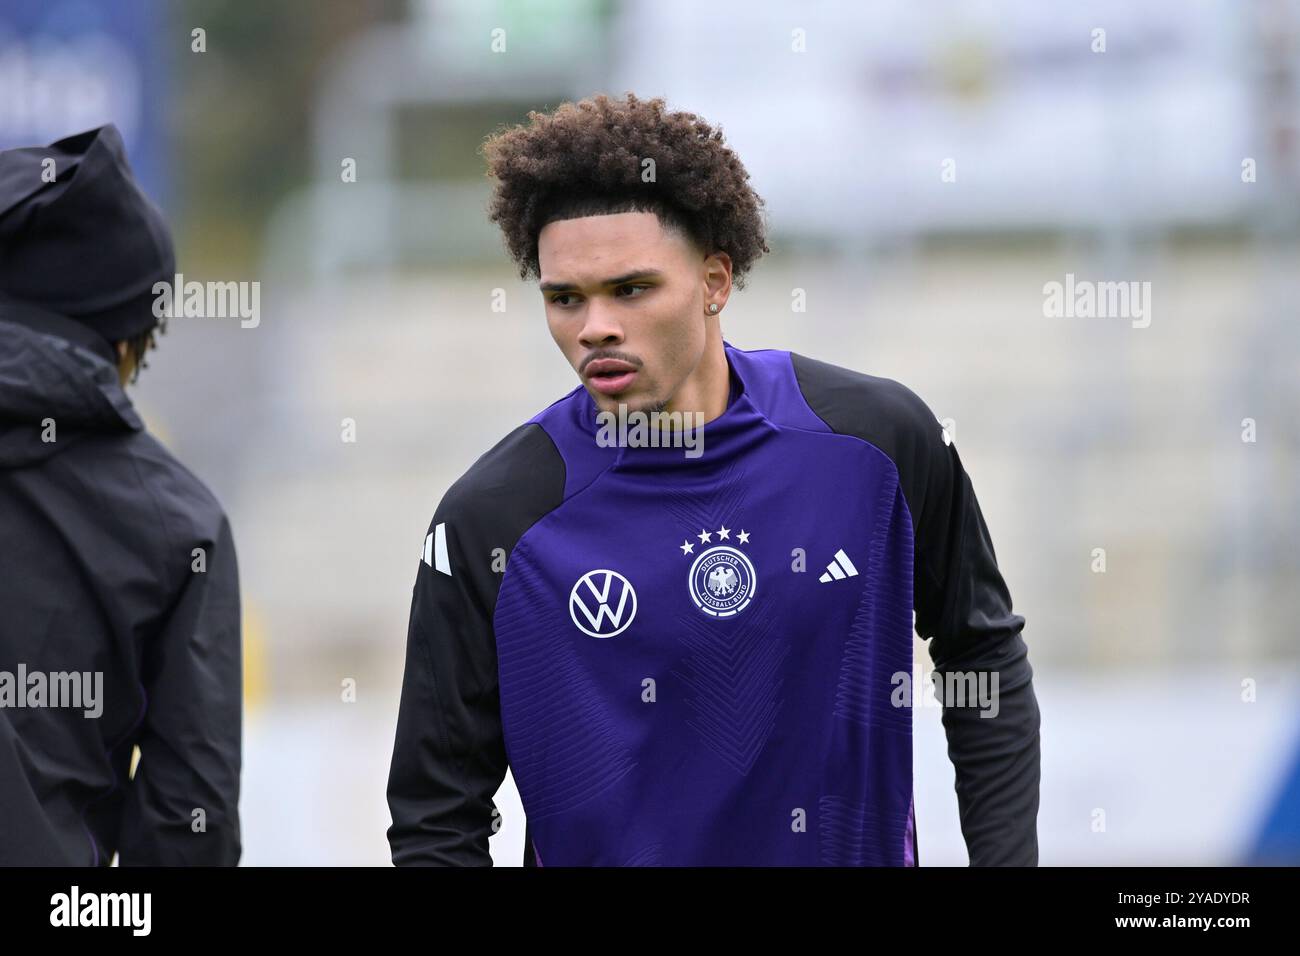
[[609, 354]]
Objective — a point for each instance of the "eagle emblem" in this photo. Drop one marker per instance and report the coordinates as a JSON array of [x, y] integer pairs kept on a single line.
[[722, 581]]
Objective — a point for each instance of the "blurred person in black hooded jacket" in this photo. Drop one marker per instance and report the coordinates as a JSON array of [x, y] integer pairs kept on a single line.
[[117, 565]]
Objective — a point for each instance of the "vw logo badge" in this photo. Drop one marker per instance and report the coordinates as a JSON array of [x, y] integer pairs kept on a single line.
[[722, 581], [599, 596]]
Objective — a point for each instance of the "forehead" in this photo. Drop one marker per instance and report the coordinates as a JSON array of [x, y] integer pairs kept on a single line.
[[591, 248]]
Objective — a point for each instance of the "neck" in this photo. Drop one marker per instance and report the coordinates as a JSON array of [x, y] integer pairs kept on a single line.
[[707, 388]]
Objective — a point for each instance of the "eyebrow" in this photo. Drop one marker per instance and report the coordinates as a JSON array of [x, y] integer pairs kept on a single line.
[[616, 281]]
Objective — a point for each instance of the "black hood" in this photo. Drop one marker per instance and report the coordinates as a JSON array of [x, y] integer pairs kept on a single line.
[[54, 368], [79, 237]]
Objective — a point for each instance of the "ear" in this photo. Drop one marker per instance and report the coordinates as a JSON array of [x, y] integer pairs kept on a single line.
[[121, 351]]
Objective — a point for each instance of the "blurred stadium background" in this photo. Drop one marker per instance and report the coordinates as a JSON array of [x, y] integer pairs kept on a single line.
[[1169, 684]]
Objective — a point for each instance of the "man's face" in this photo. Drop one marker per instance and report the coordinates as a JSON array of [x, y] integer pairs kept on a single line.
[[624, 293]]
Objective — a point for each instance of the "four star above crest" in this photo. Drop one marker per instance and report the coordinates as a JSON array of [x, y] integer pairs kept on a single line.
[[724, 534]]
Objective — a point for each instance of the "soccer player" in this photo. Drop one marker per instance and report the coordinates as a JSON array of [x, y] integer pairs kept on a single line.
[[696, 656], [119, 591]]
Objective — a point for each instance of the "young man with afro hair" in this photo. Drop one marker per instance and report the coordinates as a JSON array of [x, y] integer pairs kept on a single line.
[[697, 659]]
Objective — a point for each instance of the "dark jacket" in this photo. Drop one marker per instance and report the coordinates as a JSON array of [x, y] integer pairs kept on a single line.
[[100, 577]]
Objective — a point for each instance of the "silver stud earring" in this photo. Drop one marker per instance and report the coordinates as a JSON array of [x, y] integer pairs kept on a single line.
[[713, 307]]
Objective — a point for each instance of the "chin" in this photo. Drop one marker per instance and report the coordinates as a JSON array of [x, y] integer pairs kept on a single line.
[[634, 402], [605, 403], [646, 406]]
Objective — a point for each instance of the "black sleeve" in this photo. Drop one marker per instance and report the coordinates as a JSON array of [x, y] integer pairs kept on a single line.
[[190, 737], [964, 606], [449, 755]]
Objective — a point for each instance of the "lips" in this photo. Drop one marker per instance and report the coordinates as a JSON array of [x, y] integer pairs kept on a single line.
[[610, 376], [608, 367]]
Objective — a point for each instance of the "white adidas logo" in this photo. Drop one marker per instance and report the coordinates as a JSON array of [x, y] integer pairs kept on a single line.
[[839, 568], [435, 549]]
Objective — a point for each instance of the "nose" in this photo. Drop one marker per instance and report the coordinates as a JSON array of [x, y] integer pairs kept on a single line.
[[599, 327]]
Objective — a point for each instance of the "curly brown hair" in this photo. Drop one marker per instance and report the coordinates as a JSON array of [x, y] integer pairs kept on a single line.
[[586, 159]]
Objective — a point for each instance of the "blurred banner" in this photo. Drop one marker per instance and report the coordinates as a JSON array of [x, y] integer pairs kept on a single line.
[[70, 65]]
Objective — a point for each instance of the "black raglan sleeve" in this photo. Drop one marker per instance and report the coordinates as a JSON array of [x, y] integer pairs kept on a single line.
[[449, 755], [964, 607]]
